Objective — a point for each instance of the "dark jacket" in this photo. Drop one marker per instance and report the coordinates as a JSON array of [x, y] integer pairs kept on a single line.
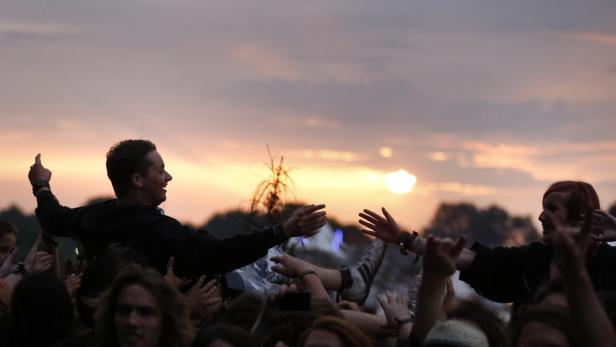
[[514, 274], [154, 235]]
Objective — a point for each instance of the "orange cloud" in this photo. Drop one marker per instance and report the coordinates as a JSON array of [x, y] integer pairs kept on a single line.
[[595, 161], [601, 38]]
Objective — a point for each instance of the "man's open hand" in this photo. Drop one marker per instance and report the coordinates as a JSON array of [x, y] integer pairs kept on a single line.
[[38, 171], [305, 221]]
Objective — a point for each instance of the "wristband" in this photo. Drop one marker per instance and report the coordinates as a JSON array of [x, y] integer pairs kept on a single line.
[[400, 322], [19, 268], [38, 184], [406, 241]]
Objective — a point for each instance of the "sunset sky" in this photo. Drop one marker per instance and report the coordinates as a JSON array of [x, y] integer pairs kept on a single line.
[[482, 101]]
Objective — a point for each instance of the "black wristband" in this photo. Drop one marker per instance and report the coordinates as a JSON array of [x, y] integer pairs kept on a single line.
[[403, 321], [38, 184], [19, 268]]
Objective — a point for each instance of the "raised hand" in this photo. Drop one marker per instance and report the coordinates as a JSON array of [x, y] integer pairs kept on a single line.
[[8, 263], [205, 300], [395, 307], [38, 261], [171, 278], [305, 221], [73, 282], [385, 228], [38, 171], [203, 295], [441, 255], [605, 225], [289, 265]]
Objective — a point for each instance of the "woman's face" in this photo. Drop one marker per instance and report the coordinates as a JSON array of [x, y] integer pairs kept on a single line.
[[554, 214], [138, 319]]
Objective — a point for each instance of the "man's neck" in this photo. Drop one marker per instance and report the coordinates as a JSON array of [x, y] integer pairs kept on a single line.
[[133, 199]]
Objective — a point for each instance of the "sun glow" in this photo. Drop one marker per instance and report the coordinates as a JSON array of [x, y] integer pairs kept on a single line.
[[400, 182]]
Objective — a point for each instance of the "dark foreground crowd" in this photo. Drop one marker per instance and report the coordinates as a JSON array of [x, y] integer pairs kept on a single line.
[[144, 279]]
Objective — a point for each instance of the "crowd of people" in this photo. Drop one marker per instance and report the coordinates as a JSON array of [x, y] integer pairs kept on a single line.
[[144, 279]]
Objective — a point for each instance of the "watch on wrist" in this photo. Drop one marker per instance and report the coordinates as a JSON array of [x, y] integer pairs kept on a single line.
[[38, 184], [18, 268]]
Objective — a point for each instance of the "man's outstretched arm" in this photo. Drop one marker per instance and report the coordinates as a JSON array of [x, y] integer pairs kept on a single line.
[[54, 218], [205, 254]]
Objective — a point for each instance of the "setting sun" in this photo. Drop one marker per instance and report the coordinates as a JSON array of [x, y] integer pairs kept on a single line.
[[400, 182]]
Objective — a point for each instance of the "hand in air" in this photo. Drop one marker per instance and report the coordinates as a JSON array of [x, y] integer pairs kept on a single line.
[[8, 263], [394, 306], [37, 261], [604, 225], [305, 221], [441, 255], [171, 278], [385, 228], [38, 171]]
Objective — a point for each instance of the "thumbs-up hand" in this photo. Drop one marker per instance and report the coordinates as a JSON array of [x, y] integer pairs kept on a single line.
[[38, 172]]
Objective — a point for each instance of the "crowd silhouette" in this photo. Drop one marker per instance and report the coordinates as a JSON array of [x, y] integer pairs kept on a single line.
[[144, 279]]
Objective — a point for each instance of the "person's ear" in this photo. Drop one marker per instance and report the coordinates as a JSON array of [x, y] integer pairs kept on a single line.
[[136, 180]]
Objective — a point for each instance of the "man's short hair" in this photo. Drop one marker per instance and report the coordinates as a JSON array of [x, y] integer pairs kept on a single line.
[[7, 227], [126, 158]]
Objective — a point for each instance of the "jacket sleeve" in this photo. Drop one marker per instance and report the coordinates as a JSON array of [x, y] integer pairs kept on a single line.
[[56, 219], [498, 273], [198, 252]]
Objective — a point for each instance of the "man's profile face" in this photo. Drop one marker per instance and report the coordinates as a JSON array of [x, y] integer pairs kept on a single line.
[[155, 179], [7, 245]]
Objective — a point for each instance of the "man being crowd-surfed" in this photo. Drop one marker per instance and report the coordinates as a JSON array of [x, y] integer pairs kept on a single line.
[[139, 178]]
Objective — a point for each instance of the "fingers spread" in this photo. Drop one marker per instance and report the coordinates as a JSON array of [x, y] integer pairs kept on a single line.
[[366, 224], [387, 215], [312, 208], [368, 232], [374, 215], [368, 218]]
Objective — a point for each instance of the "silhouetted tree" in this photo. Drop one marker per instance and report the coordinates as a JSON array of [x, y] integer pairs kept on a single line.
[[492, 226]]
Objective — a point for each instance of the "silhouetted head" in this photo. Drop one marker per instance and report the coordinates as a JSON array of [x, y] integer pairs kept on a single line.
[[564, 202], [136, 166], [41, 311]]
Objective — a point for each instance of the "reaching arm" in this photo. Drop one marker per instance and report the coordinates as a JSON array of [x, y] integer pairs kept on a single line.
[[386, 229], [439, 263], [199, 253], [586, 311]]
